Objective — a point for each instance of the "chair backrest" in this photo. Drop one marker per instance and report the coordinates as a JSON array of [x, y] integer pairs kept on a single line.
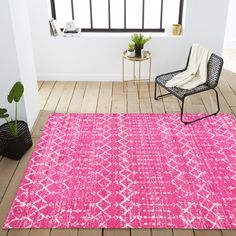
[[214, 68]]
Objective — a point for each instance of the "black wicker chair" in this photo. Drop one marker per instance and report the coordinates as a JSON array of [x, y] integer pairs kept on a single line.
[[214, 68]]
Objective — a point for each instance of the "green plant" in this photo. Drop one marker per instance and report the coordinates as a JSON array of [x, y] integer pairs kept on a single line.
[[130, 47], [15, 95], [139, 40]]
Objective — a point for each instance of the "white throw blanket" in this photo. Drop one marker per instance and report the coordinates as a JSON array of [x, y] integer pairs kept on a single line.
[[196, 73]]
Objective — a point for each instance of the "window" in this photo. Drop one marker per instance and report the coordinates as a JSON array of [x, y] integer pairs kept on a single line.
[[118, 15]]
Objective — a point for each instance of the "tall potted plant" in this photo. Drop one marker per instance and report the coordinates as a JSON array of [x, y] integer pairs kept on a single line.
[[139, 41], [15, 138]]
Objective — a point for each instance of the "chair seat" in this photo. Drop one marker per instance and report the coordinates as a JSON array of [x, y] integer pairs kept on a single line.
[[179, 92]]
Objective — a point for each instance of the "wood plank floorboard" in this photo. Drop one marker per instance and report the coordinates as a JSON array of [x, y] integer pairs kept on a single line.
[[234, 110], [7, 169], [18, 232], [132, 97], [229, 232], [44, 92], [224, 106], [40, 83], [157, 105], [141, 232], [229, 76], [90, 232], [39, 232], [43, 116], [227, 92], [171, 103], [208, 232], [119, 99], [77, 97], [162, 232], [145, 101], [209, 101], [90, 101], [64, 232], [183, 232], [55, 96], [106, 97], [116, 232], [65, 99], [196, 99]]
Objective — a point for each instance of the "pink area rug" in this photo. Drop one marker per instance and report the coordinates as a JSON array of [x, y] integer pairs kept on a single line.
[[130, 171]]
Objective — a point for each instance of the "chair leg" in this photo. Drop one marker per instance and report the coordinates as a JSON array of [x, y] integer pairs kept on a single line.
[[213, 114], [160, 96], [155, 92]]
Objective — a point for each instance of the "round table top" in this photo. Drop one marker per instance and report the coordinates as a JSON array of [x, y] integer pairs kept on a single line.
[[149, 55]]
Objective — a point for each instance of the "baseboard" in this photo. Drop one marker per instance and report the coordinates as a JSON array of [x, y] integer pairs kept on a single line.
[[229, 44], [75, 77]]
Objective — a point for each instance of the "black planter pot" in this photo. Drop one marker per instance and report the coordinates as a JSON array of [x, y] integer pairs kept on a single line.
[[15, 147], [138, 51]]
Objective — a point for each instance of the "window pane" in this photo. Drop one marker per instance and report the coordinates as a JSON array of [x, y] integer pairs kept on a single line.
[[170, 12], [117, 13], [134, 13], [152, 13], [100, 13], [82, 13], [63, 12]]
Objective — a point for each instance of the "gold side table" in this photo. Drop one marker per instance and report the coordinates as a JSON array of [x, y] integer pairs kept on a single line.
[[138, 60]]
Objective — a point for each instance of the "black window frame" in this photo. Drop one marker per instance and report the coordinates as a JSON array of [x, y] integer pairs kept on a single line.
[[120, 30]]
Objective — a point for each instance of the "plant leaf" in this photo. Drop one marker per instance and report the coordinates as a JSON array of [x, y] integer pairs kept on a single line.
[[13, 127], [139, 39], [3, 113], [16, 92]]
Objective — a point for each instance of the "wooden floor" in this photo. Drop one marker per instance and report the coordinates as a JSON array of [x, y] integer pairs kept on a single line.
[[106, 97]]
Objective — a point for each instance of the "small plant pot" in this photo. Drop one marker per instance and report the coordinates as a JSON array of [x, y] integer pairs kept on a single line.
[[131, 53], [138, 51], [176, 29], [15, 147]]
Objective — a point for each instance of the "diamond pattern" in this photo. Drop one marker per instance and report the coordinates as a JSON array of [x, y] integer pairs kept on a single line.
[[130, 170]]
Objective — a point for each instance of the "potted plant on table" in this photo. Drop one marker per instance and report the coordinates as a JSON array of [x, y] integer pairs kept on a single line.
[[15, 138], [130, 51], [139, 41]]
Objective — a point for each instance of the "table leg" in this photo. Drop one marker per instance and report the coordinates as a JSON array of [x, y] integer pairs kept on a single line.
[[139, 75], [134, 72], [123, 72], [150, 69]]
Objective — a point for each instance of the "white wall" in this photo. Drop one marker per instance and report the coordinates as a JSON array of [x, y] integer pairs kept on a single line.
[[98, 57], [230, 34], [24, 48], [9, 70], [16, 59]]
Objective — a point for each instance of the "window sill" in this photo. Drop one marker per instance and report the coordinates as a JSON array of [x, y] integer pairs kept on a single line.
[[118, 35]]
